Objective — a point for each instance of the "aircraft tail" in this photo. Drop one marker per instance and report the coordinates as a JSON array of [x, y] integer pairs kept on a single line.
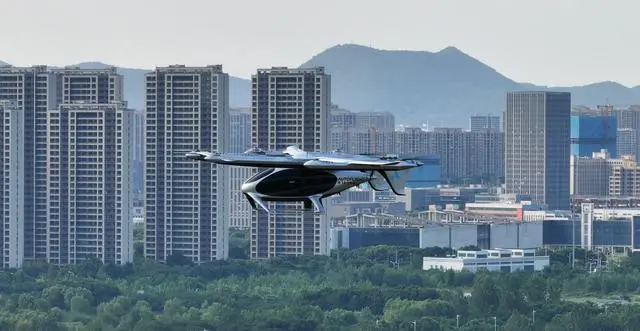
[[396, 179]]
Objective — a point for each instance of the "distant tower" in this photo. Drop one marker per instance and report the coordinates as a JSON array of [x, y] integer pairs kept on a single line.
[[13, 179], [88, 158], [537, 154], [239, 208], [89, 183], [291, 108], [483, 123], [33, 91], [44, 200], [593, 131], [187, 108]]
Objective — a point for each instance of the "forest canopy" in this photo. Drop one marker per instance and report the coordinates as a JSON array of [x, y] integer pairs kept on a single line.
[[373, 288]]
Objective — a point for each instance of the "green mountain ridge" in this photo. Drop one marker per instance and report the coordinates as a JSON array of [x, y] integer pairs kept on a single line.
[[439, 88]]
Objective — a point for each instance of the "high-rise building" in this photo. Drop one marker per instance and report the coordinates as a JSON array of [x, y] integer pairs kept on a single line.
[[290, 107], [239, 208], [91, 85], [463, 156], [89, 191], [537, 151], [380, 121], [593, 130], [589, 176], [84, 217], [452, 145], [34, 91], [13, 179], [628, 125], [626, 118], [628, 142], [485, 158], [481, 123], [187, 108], [240, 128], [137, 145], [625, 178], [341, 119]]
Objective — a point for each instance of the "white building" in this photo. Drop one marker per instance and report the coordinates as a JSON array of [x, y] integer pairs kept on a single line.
[[187, 108], [89, 191], [493, 260]]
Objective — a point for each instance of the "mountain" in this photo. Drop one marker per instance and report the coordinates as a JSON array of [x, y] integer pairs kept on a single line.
[[441, 88]]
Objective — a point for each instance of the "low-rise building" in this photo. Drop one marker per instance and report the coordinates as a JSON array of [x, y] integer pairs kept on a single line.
[[507, 260]]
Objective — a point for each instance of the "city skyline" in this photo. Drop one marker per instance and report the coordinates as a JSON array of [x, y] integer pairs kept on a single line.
[[476, 27], [427, 96]]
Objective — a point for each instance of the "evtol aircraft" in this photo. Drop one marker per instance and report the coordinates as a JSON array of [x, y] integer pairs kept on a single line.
[[309, 177]]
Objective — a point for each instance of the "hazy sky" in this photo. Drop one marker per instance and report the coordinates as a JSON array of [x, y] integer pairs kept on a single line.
[[553, 42]]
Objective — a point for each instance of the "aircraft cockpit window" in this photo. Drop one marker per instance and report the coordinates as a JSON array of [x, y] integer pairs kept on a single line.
[[259, 175], [254, 150]]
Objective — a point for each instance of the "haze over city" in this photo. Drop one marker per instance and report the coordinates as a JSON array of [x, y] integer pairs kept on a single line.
[[500, 188], [556, 43]]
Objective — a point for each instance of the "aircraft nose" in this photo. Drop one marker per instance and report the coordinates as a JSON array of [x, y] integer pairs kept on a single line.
[[247, 187], [194, 156]]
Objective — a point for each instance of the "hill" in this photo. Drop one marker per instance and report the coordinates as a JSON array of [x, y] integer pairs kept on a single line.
[[444, 87], [441, 88]]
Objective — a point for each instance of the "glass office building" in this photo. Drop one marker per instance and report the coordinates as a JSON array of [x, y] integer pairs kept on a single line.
[[426, 176], [592, 133], [620, 233]]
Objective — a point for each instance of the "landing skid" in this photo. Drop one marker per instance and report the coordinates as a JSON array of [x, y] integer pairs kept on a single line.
[[311, 205]]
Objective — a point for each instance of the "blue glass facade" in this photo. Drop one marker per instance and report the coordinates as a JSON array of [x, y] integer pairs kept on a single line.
[[605, 233], [591, 133], [426, 176], [612, 233], [636, 232], [559, 232]]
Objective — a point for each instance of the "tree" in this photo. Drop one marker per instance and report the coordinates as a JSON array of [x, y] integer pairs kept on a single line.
[[517, 322], [484, 296]]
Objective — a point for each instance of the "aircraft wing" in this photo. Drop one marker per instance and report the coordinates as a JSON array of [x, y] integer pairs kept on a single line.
[[346, 163], [248, 160]]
